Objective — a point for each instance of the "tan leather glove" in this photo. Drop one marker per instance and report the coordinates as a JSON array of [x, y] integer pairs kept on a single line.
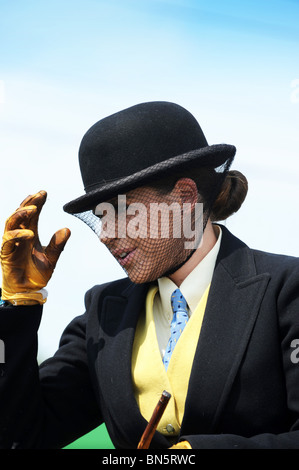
[[26, 265], [181, 445]]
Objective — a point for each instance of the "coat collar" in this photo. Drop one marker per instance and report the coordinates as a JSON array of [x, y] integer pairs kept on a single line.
[[234, 300], [233, 304]]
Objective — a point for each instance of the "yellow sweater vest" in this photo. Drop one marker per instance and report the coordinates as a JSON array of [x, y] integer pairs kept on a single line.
[[148, 372]]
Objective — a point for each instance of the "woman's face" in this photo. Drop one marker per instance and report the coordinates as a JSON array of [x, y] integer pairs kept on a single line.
[[144, 232]]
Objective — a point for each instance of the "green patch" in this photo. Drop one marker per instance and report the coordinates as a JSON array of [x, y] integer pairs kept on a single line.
[[96, 439]]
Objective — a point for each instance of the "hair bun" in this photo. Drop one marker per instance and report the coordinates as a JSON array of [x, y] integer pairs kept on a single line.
[[231, 196]]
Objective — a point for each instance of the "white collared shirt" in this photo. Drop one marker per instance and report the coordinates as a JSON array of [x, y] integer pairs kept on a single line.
[[192, 288]]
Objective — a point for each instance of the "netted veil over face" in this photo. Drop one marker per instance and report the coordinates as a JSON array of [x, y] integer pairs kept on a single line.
[[150, 224], [152, 231]]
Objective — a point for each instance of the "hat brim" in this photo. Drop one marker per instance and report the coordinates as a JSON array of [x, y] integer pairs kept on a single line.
[[211, 156]]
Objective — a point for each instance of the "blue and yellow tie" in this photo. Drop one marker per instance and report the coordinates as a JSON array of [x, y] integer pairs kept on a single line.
[[178, 323]]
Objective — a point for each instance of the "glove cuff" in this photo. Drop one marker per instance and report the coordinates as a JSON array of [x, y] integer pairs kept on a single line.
[[25, 298], [181, 445]]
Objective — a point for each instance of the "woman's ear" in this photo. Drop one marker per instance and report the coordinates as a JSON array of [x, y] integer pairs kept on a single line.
[[187, 190]]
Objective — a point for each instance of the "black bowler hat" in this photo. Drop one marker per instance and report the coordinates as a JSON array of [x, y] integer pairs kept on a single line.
[[138, 145]]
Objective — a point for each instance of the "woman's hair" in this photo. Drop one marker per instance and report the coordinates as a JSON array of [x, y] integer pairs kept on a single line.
[[225, 193], [231, 196]]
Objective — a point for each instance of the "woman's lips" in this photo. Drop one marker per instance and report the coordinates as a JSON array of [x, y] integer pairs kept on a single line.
[[124, 257]]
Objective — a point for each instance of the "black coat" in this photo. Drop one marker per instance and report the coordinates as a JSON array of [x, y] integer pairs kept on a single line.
[[244, 385]]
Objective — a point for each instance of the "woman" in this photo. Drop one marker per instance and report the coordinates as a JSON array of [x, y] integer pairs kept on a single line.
[[229, 371]]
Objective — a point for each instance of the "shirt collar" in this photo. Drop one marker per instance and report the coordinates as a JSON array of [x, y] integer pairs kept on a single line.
[[195, 284]]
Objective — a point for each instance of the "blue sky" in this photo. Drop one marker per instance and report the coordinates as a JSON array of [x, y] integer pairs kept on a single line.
[[66, 64]]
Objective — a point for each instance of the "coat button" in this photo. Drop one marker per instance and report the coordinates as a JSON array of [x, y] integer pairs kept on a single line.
[[170, 428]]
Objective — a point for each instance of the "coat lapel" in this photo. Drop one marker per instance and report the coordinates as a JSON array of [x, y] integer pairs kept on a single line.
[[118, 324], [233, 305]]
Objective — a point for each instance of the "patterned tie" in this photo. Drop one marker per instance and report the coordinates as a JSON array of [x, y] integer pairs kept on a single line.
[[178, 323]]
